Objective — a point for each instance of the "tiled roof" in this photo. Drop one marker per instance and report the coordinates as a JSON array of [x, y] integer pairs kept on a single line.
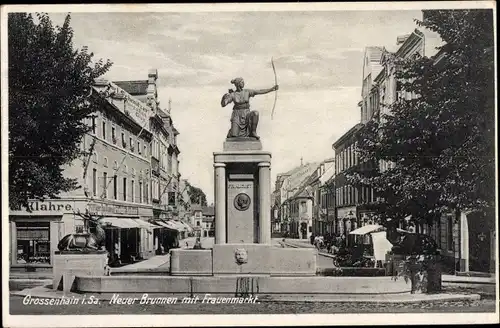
[[205, 210], [208, 211], [134, 87]]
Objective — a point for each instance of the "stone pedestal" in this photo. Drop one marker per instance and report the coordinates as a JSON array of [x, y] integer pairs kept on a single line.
[[242, 178], [69, 265], [190, 262], [242, 193], [256, 259]]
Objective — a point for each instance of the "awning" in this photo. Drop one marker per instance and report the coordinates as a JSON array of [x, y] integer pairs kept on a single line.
[[169, 225], [188, 226], [179, 225], [370, 228], [145, 224], [185, 226], [124, 223]]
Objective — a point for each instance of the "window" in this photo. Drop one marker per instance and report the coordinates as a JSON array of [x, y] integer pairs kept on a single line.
[[133, 172], [145, 150], [139, 147], [113, 134], [125, 168], [115, 187], [33, 242], [115, 165], [95, 157], [140, 192], [105, 164], [105, 185], [124, 143], [171, 198], [131, 143], [124, 189], [104, 129], [146, 193], [92, 120], [94, 182], [132, 190]]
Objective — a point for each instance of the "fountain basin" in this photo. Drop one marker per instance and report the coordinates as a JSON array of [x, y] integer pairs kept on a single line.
[[256, 284]]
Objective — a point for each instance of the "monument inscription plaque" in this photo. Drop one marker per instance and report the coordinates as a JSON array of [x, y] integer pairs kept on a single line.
[[241, 215]]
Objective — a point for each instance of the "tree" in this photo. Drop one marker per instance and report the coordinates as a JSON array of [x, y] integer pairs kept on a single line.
[[440, 142], [49, 89], [196, 195]]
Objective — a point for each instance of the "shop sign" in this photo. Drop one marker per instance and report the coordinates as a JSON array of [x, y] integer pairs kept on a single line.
[[48, 206], [107, 209], [138, 111]]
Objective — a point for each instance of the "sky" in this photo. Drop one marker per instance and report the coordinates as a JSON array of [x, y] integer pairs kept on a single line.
[[318, 57]]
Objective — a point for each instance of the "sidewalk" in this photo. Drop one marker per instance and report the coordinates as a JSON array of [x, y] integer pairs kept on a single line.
[[446, 278], [157, 263]]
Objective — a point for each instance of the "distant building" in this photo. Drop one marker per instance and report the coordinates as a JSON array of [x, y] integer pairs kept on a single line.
[[351, 203], [324, 222], [202, 220], [289, 184]]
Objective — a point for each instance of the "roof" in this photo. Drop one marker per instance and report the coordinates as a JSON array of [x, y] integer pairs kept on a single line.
[[134, 87], [305, 173], [374, 53], [373, 66], [205, 210], [346, 135]]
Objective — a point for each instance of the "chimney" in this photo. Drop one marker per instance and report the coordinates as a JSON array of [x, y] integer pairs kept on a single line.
[[402, 38], [152, 94]]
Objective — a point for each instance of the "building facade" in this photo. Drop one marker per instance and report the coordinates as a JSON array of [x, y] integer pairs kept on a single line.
[[466, 240], [289, 184], [117, 179], [202, 220], [326, 199]]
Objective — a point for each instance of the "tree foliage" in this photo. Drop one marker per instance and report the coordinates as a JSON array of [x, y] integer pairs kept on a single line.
[[196, 195], [441, 141], [49, 87]]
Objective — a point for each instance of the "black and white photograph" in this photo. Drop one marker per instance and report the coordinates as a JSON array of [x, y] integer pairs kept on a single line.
[[249, 164]]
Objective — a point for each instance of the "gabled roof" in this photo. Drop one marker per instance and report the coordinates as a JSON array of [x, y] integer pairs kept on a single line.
[[205, 210], [346, 135], [134, 88]]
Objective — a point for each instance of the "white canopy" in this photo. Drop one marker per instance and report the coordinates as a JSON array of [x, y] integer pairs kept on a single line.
[[369, 228]]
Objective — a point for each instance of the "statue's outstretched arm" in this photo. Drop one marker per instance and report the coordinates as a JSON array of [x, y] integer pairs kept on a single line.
[[264, 91]]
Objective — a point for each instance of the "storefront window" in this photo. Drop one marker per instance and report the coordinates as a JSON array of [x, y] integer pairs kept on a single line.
[[33, 242]]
